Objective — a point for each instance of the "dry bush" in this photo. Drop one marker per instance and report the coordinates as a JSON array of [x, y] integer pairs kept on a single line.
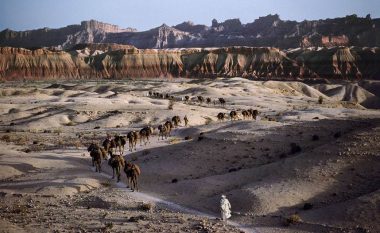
[[58, 131], [6, 138], [146, 152], [292, 219], [13, 110], [320, 100], [108, 225], [106, 184], [208, 120], [174, 140], [171, 105], [70, 123], [78, 144], [149, 207]]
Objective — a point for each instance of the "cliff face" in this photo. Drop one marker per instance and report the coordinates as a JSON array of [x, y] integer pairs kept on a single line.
[[268, 31], [121, 61], [87, 32]]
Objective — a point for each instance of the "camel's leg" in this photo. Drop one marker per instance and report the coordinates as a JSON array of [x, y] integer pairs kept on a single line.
[[118, 173], [136, 184], [113, 173]]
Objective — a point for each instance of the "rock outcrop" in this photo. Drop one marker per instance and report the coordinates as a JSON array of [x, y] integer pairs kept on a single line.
[[87, 32], [268, 31], [123, 61]]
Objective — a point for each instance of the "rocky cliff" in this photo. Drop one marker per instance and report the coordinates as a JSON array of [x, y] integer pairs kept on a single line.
[[268, 31], [122, 61], [87, 32]]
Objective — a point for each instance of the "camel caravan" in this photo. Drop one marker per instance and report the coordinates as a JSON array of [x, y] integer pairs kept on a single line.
[[112, 149], [234, 115], [186, 99]]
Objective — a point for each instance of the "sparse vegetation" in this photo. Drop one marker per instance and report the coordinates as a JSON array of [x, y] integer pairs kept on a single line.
[[70, 123], [13, 110], [6, 138], [108, 225], [292, 219], [208, 120], [307, 206], [174, 140], [320, 99], [58, 131], [171, 104], [149, 207], [337, 134], [294, 148]]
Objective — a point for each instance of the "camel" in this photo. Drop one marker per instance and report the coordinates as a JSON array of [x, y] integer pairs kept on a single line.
[[150, 93], [167, 96], [187, 98], [200, 99], [132, 171], [233, 115], [221, 116], [132, 139], [186, 120], [96, 154], [120, 143], [145, 133], [169, 126], [222, 101], [246, 114], [117, 163], [109, 144], [163, 131], [253, 113], [208, 100], [176, 120]]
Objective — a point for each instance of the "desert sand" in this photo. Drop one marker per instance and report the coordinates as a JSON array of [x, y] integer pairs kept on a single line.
[[301, 166]]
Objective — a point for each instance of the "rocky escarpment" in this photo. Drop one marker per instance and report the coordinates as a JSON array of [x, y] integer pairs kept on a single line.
[[87, 32], [268, 31], [122, 61]]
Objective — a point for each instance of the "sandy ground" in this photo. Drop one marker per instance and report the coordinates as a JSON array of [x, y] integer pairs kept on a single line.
[[297, 152]]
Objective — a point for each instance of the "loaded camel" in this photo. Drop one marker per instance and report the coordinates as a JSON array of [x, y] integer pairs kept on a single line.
[[221, 116], [176, 121], [222, 101], [97, 154], [132, 171], [132, 140], [186, 120], [169, 126], [145, 133], [233, 115], [163, 132], [117, 163], [119, 143], [109, 143]]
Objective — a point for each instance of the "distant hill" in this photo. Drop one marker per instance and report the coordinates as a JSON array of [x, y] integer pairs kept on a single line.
[[268, 31]]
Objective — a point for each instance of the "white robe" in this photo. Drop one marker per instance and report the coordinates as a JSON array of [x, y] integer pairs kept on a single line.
[[225, 208]]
